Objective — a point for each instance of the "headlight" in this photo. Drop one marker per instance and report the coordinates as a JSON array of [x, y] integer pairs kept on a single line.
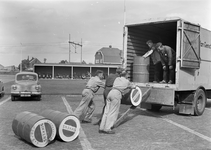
[[14, 87], [37, 87]]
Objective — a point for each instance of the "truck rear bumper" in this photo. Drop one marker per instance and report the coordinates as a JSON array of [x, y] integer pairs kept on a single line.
[[161, 96]]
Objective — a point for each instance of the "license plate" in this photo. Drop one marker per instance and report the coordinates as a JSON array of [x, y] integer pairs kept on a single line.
[[25, 95]]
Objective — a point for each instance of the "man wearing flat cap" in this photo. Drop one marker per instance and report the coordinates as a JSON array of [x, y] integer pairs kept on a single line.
[[113, 102], [155, 56], [86, 107], [108, 86], [168, 60]]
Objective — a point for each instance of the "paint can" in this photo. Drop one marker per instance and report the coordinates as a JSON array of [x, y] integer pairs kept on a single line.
[[68, 126], [34, 129]]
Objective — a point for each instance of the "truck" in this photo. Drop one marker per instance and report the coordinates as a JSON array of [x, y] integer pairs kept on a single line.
[[192, 44]]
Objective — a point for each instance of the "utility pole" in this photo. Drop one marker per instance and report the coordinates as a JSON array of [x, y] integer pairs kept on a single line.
[[81, 50], [74, 45], [124, 34], [69, 48], [21, 67]]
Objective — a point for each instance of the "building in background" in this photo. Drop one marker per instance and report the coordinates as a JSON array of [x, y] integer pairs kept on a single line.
[[28, 64], [1, 67], [33, 61], [7, 69], [109, 55], [107, 59]]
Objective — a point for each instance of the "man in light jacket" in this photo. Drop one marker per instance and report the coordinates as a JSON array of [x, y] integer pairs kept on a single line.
[[85, 109]]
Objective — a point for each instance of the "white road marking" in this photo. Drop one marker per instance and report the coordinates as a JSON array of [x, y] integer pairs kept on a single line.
[[86, 145], [188, 129], [4, 101], [182, 127], [208, 108]]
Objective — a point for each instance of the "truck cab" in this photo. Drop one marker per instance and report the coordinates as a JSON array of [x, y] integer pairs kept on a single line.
[[192, 44]]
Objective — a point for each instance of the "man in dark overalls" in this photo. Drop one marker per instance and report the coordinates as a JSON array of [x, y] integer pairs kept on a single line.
[[155, 56], [168, 60]]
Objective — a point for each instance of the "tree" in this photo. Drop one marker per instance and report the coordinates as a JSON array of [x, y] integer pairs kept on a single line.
[[63, 62], [83, 62], [25, 64]]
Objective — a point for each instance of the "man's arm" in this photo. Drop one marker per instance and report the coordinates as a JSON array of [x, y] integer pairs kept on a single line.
[[100, 83], [131, 85], [169, 54], [148, 53]]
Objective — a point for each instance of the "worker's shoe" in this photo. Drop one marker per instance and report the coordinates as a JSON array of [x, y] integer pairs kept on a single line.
[[163, 82], [170, 82], [86, 121], [109, 132], [101, 131]]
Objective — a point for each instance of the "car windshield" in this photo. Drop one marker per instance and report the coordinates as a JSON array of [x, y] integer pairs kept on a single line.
[[27, 77]]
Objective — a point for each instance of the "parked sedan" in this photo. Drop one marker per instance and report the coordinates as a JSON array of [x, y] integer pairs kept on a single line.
[[26, 85], [1, 89]]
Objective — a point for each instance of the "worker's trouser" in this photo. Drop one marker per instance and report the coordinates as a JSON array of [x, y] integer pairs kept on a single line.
[[158, 71], [86, 108], [111, 110], [168, 74], [105, 94]]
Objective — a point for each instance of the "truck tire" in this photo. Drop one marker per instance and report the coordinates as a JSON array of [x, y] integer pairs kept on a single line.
[[155, 107], [200, 100]]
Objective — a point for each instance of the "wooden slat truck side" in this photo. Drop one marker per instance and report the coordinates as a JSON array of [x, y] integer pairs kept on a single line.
[[192, 45]]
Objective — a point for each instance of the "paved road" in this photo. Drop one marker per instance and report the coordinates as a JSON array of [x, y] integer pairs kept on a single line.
[[7, 78], [142, 129]]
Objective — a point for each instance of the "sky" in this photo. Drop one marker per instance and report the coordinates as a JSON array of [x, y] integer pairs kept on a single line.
[[41, 28]]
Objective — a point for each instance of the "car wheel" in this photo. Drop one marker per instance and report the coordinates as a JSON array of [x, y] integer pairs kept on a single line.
[[12, 98], [2, 92], [38, 98]]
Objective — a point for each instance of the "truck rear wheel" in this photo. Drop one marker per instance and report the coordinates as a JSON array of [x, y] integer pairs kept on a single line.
[[200, 101]]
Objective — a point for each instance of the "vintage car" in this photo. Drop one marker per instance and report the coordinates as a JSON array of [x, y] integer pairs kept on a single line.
[[1, 89], [26, 85]]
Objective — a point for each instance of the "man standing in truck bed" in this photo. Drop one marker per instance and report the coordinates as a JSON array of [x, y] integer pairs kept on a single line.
[[155, 56], [168, 60]]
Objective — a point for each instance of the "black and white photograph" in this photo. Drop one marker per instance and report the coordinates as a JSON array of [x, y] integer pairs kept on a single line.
[[105, 74]]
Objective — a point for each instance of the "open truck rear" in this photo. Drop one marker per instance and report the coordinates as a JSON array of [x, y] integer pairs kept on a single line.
[[192, 45]]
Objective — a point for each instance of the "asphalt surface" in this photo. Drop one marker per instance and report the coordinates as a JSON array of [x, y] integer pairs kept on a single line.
[[142, 129]]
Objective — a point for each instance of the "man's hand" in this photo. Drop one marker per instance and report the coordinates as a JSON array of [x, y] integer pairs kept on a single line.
[[170, 67], [133, 86], [164, 67]]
